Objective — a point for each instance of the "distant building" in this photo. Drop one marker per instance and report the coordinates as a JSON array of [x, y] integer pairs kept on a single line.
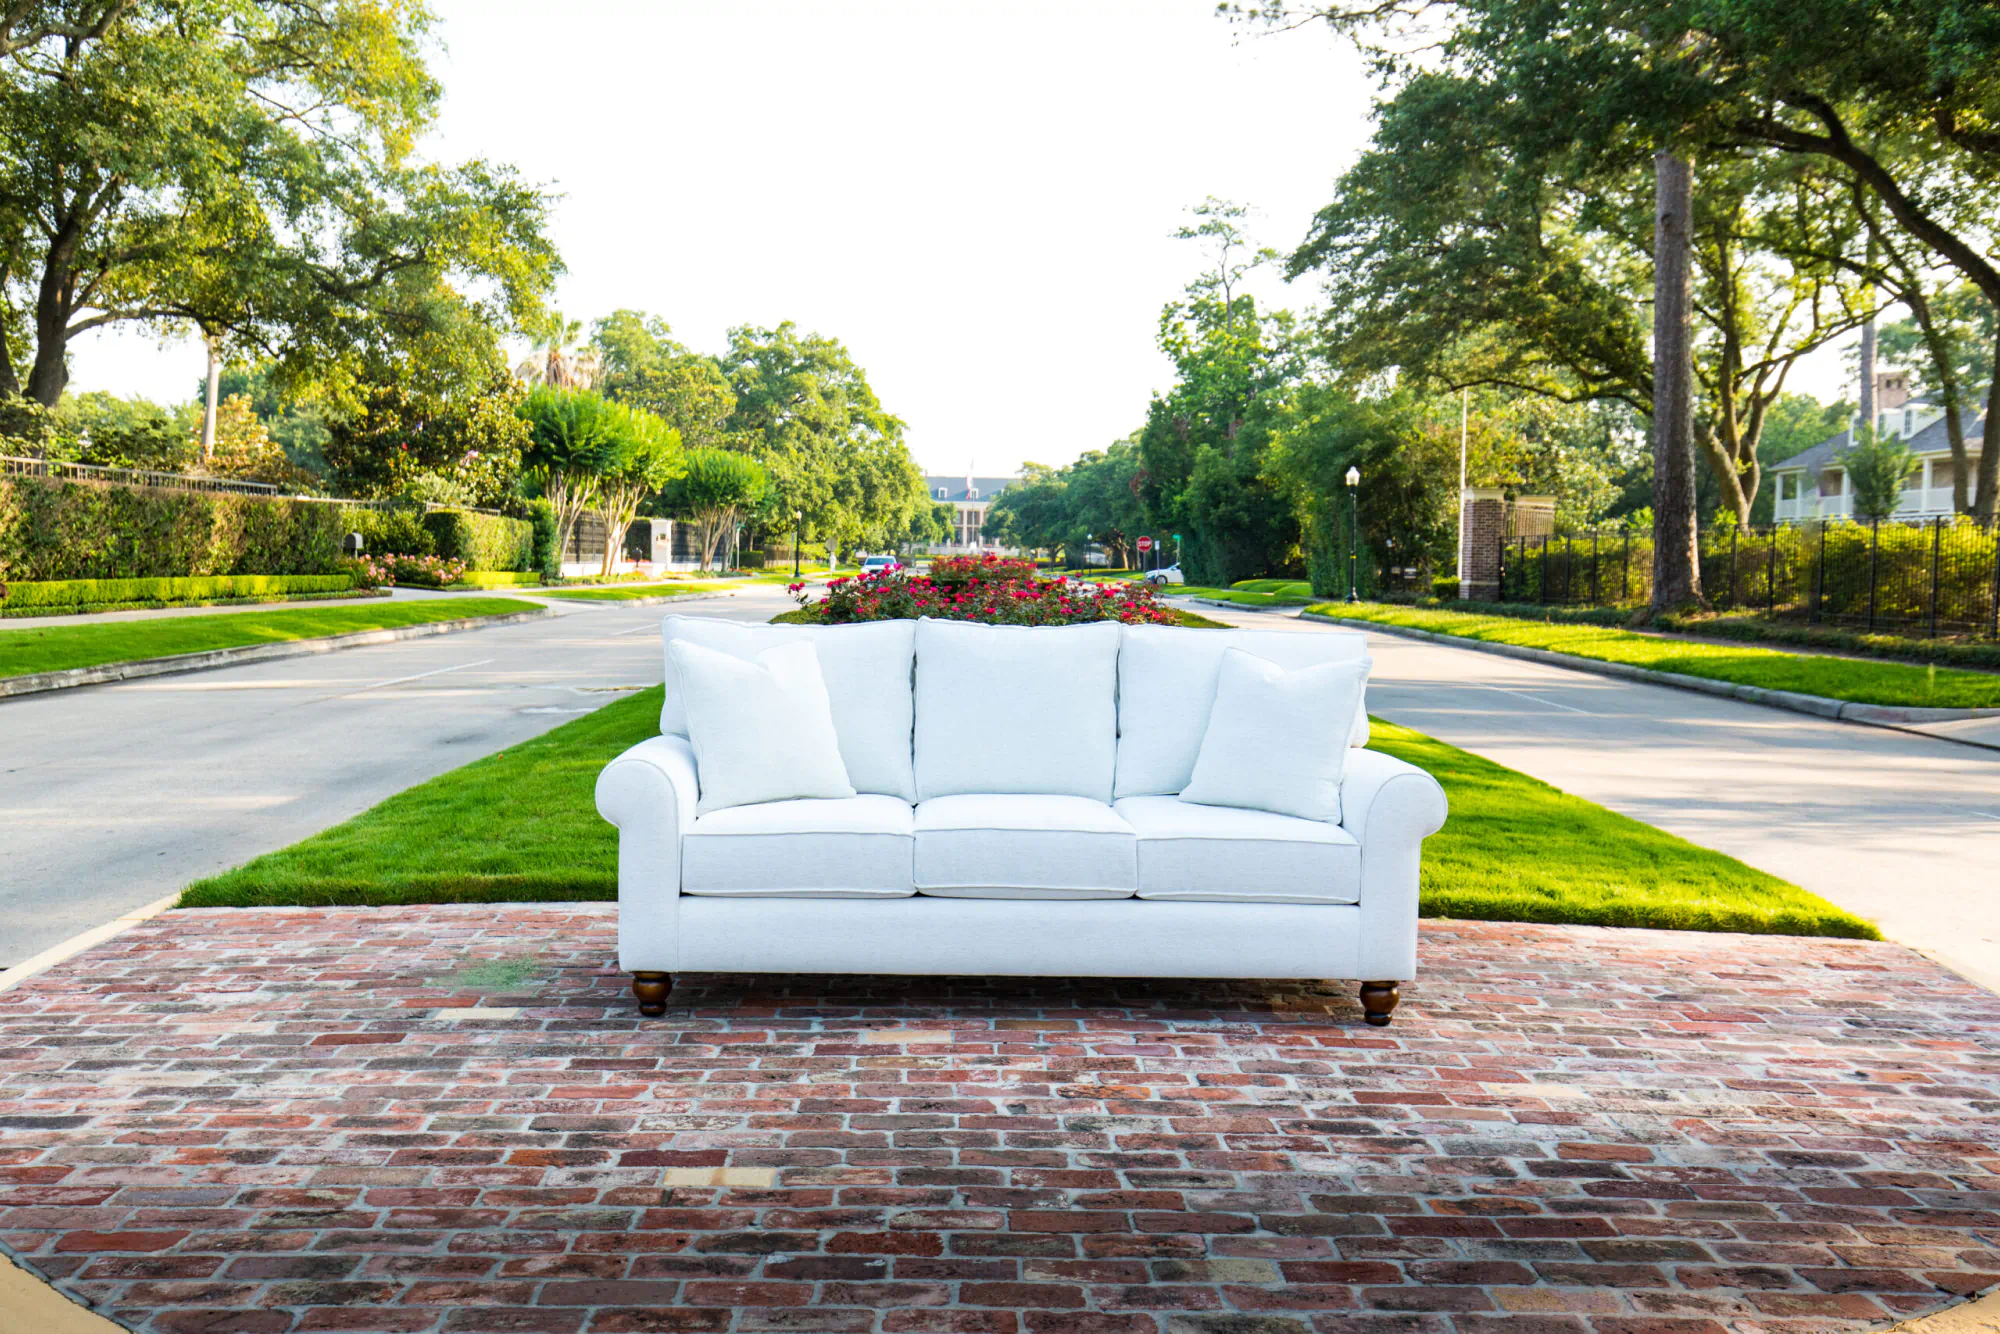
[[969, 498], [1813, 485]]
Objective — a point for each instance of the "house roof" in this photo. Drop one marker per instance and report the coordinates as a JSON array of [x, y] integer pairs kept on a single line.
[[954, 488], [1933, 439]]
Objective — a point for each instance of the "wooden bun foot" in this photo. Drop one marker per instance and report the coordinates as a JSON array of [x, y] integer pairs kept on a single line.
[[1378, 1001]]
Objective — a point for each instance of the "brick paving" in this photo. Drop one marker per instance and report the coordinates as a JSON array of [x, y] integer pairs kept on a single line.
[[452, 1119]]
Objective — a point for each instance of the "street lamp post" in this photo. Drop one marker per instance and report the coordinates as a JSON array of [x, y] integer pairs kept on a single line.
[[798, 540], [1353, 528]]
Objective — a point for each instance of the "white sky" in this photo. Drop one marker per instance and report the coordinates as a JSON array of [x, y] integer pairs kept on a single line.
[[975, 199]]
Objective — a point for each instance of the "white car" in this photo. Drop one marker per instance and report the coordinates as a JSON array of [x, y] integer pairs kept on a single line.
[[879, 565], [1169, 574]]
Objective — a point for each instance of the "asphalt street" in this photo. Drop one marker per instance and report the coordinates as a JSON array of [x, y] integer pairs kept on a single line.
[[114, 796]]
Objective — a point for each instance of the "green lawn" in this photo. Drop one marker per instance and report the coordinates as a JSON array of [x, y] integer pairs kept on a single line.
[[1863, 682], [1253, 593], [629, 592], [58, 647], [521, 825]]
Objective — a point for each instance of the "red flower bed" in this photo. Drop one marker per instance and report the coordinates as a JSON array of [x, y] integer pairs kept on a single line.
[[989, 590]]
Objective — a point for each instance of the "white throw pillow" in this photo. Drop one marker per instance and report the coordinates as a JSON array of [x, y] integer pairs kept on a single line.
[[1166, 685], [1016, 709], [1277, 740], [762, 730], [867, 673]]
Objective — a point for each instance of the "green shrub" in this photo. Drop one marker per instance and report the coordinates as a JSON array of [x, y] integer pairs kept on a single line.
[[63, 530], [750, 560], [497, 579], [482, 541], [544, 558], [396, 532], [1444, 586], [66, 594]]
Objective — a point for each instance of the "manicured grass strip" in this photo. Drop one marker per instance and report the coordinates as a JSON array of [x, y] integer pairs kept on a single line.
[[1299, 588], [1889, 683], [1514, 850], [1248, 597], [628, 592], [1517, 850], [59, 647]]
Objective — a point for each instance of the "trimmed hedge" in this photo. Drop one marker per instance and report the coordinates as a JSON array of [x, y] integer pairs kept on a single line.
[[63, 594], [491, 579], [482, 541], [63, 530], [389, 532]]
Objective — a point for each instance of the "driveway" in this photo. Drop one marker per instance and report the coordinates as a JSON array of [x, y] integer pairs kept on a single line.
[[1900, 828], [114, 796]]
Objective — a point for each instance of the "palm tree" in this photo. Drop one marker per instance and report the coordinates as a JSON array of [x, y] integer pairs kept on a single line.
[[560, 359]]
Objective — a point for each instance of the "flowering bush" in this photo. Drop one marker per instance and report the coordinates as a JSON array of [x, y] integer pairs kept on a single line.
[[369, 572], [426, 571], [987, 569], [987, 595]]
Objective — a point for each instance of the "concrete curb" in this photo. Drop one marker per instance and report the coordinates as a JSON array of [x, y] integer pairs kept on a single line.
[[36, 683], [1875, 715]]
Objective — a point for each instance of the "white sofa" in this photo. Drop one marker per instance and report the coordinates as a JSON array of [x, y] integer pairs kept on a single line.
[[1016, 815]]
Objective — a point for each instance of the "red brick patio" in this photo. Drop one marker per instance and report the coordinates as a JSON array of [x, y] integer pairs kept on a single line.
[[332, 1120]]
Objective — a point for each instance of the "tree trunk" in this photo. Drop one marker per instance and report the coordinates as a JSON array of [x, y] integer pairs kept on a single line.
[[1983, 504], [208, 401], [1676, 562]]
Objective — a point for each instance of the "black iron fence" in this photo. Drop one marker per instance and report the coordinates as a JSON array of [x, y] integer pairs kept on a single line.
[[1936, 576]]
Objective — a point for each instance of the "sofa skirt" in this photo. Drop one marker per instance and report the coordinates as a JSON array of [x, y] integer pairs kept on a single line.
[[998, 937]]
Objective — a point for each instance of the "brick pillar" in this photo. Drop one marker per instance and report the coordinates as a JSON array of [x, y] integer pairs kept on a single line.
[[1482, 527]]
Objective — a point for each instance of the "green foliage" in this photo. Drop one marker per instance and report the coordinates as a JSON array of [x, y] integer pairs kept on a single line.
[[1877, 467], [402, 441], [61, 647], [84, 530], [1204, 442], [243, 168], [645, 368], [75, 595], [389, 532], [483, 541], [717, 489], [544, 556], [805, 410], [126, 433]]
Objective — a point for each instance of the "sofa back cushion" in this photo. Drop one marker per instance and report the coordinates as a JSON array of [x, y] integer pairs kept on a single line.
[[867, 672], [1016, 709], [1166, 687]]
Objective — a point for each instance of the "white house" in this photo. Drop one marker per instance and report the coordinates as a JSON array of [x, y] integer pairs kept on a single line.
[[969, 498], [1813, 485]]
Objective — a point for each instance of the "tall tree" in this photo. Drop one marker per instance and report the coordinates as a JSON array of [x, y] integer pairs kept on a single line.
[[644, 455], [805, 410], [243, 168], [572, 439], [645, 367], [718, 489]]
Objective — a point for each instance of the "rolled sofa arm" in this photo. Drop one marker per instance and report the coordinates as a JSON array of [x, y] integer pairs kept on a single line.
[[1390, 807], [649, 793]]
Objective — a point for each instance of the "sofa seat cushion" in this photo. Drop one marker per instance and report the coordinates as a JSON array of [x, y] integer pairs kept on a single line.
[[1016, 846], [1222, 854], [840, 848]]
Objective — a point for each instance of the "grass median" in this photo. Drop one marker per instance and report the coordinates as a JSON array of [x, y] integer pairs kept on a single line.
[[1857, 680], [57, 648], [522, 825]]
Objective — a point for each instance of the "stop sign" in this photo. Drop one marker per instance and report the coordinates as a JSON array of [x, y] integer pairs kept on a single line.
[[1145, 544]]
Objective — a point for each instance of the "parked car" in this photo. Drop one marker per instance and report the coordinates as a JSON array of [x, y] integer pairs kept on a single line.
[[879, 564], [1167, 574]]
